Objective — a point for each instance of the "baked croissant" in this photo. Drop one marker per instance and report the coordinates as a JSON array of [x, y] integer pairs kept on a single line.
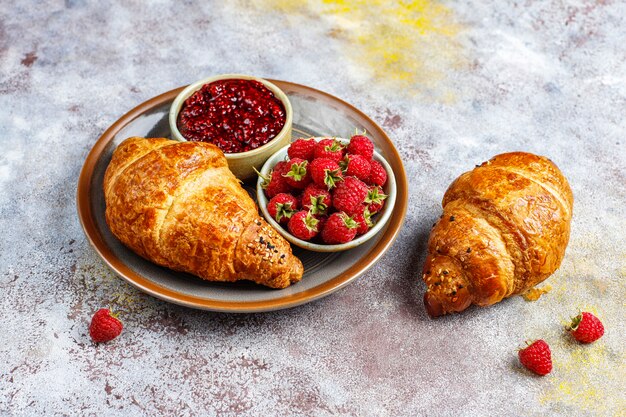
[[178, 205], [504, 229]]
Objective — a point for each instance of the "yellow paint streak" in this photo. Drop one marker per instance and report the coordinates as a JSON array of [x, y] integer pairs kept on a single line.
[[111, 291], [409, 46], [584, 377], [287, 6], [407, 42], [571, 382]]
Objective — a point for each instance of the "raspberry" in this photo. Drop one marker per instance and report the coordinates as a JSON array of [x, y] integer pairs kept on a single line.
[[356, 166], [586, 328], [303, 225], [104, 326], [274, 183], [297, 174], [378, 175], [339, 228], [361, 145], [375, 199], [325, 172], [364, 219], [350, 195], [303, 149], [282, 167], [282, 206], [316, 199], [322, 222], [537, 357], [329, 148]]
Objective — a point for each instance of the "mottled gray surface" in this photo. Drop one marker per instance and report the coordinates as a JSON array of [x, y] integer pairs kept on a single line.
[[452, 84]]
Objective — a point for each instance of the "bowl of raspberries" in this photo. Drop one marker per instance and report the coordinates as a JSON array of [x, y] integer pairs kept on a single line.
[[327, 194]]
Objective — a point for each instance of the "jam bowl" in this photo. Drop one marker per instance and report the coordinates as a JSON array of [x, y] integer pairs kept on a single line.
[[249, 118]]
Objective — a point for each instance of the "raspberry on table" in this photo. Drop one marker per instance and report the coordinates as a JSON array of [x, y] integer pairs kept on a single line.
[[537, 357], [105, 326], [586, 328]]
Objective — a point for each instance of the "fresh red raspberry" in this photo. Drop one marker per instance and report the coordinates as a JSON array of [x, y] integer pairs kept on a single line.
[[586, 328], [356, 166], [361, 145], [303, 225], [281, 207], [350, 195], [375, 199], [297, 174], [104, 326], [537, 357], [322, 222], [339, 228], [378, 175], [303, 149], [274, 183], [316, 199], [329, 148], [325, 172], [364, 219], [281, 166]]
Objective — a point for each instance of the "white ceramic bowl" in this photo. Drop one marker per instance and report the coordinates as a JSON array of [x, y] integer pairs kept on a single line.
[[380, 218], [242, 164]]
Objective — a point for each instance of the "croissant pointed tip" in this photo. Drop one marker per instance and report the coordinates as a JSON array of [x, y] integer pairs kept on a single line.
[[434, 307]]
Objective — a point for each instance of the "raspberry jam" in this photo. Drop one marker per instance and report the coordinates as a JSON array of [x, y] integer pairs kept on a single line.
[[236, 115]]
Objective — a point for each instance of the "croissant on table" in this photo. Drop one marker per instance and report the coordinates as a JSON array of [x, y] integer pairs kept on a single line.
[[178, 205], [504, 229]]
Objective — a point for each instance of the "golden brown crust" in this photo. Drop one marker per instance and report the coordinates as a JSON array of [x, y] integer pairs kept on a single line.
[[504, 229], [177, 204]]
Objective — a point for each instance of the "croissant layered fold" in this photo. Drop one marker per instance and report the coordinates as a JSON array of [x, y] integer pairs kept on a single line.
[[178, 205], [504, 229]]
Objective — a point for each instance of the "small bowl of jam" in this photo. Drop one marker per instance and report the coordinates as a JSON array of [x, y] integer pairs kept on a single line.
[[248, 118]]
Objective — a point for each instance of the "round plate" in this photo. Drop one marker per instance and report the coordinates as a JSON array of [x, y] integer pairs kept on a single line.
[[315, 114]]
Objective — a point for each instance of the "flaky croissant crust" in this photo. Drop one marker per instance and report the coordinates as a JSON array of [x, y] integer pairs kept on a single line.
[[504, 229], [178, 205]]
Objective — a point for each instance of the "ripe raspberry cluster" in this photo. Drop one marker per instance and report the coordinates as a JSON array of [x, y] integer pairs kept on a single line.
[[326, 191]]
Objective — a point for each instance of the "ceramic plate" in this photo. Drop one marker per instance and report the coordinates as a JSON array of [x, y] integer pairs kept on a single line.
[[315, 113]]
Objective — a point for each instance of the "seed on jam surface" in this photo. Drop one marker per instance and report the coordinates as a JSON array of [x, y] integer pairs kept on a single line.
[[236, 115]]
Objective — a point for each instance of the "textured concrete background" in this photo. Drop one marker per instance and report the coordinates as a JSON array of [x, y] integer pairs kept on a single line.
[[453, 84]]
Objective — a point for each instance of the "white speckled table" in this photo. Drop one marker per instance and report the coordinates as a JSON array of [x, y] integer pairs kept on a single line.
[[453, 84]]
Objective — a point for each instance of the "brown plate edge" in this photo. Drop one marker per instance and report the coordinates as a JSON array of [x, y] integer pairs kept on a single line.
[[328, 287]]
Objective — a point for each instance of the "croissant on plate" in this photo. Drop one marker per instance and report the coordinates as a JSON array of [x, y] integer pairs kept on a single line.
[[504, 229], [178, 205]]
